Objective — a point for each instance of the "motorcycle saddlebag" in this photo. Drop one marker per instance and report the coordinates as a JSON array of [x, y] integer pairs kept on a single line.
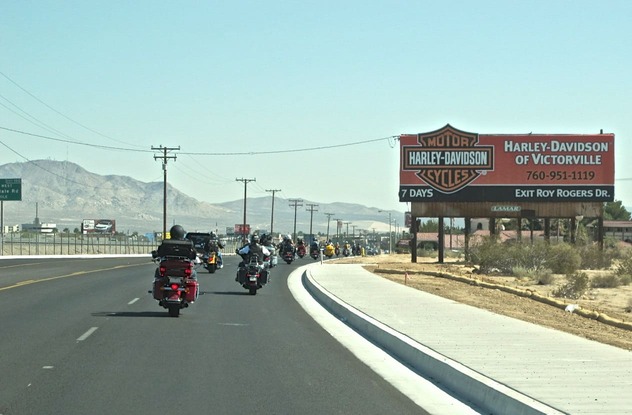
[[157, 292], [192, 287]]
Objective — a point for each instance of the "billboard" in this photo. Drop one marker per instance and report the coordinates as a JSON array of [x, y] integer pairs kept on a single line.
[[457, 166], [241, 229], [98, 226]]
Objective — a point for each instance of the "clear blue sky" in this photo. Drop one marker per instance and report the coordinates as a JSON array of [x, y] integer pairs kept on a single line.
[[258, 76]]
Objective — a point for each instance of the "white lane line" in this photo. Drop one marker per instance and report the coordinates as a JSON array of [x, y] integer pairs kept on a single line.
[[133, 301], [87, 334]]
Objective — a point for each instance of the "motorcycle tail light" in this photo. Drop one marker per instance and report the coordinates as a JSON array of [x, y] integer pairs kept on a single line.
[[163, 271], [175, 286], [188, 272]]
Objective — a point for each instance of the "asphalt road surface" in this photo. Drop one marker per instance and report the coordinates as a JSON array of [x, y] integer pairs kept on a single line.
[[83, 336]]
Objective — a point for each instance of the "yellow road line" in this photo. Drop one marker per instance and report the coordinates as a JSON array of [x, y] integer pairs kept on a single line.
[[74, 274]]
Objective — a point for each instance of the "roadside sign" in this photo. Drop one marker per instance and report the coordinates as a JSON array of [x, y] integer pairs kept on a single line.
[[10, 189]]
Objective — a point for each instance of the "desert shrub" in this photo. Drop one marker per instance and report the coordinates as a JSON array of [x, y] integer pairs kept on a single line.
[[542, 276], [609, 280], [563, 259], [427, 253], [592, 257], [628, 309], [624, 267], [490, 255], [533, 257], [625, 279], [576, 285], [521, 272], [545, 277]]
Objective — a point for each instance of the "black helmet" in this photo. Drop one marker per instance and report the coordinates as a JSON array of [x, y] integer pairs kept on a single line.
[[177, 232], [255, 238]]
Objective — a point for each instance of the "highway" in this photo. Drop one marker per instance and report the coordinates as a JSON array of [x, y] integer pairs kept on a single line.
[[83, 336]]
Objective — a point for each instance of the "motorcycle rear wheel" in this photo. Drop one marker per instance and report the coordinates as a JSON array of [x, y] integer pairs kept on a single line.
[[252, 291], [174, 310]]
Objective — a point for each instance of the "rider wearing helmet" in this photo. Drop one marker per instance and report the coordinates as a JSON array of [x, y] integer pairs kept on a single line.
[[287, 245], [251, 249], [254, 248], [214, 244]]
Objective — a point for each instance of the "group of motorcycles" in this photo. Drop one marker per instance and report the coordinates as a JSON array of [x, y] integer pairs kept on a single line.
[[175, 286]]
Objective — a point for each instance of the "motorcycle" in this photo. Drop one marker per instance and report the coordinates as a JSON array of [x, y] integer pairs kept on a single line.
[[251, 275], [288, 256], [301, 251], [337, 250], [272, 260], [314, 253], [346, 250], [210, 261], [173, 286], [329, 250]]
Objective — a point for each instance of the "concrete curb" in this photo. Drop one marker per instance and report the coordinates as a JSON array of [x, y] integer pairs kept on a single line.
[[466, 384]]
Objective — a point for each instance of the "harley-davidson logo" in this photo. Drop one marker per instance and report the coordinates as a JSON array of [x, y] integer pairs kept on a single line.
[[448, 159]]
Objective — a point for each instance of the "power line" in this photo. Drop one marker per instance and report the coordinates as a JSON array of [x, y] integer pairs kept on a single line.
[[218, 154], [54, 110], [74, 142]]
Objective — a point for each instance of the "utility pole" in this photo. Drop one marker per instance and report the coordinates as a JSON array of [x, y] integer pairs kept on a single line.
[[295, 204], [164, 158], [311, 209], [272, 214], [347, 223], [338, 226], [329, 215], [245, 181]]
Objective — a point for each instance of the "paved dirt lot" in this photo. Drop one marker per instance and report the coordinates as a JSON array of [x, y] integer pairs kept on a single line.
[[614, 302]]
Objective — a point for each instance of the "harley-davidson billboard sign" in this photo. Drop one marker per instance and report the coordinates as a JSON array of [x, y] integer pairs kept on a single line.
[[453, 165]]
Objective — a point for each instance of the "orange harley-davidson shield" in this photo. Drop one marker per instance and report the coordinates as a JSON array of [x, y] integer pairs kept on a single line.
[[447, 159]]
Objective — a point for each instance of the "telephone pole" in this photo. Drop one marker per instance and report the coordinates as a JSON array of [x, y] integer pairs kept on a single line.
[[329, 215], [164, 158], [272, 214], [295, 204], [311, 216], [338, 227], [245, 181]]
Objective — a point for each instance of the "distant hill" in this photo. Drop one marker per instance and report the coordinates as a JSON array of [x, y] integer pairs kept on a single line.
[[65, 193]]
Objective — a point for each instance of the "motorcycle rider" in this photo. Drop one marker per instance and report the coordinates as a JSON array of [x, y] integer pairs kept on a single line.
[[251, 249], [216, 245], [287, 245], [177, 234]]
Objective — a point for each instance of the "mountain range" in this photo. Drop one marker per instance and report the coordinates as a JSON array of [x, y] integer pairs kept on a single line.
[[65, 193]]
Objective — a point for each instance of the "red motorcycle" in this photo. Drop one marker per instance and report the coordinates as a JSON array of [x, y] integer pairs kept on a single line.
[[174, 287], [301, 251]]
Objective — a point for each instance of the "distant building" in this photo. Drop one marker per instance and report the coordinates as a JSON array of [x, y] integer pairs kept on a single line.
[[618, 229]]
